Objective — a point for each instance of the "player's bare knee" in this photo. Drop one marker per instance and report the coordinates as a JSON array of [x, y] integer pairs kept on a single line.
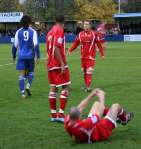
[[95, 109], [53, 89], [116, 106], [96, 103], [64, 93], [22, 72], [89, 71]]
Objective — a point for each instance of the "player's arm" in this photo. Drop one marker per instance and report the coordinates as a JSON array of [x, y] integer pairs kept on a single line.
[[59, 40], [58, 56], [15, 46], [36, 46], [14, 51], [74, 45], [100, 47], [83, 104]]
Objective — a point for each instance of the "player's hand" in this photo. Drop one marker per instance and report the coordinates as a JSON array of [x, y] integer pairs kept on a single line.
[[93, 92], [100, 94], [37, 61], [62, 68], [102, 57], [68, 53]]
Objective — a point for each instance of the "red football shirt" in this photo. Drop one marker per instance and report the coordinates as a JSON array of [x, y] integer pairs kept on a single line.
[[89, 130], [55, 38], [89, 42], [101, 37], [101, 32], [80, 130]]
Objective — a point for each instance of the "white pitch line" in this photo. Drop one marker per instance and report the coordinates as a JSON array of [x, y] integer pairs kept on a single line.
[[13, 63], [125, 58], [43, 58], [136, 57], [6, 64]]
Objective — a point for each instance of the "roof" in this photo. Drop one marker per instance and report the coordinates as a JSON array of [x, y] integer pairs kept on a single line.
[[6, 17], [127, 15]]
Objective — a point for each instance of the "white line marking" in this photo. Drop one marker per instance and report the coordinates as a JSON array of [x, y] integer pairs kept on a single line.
[[125, 58], [6, 64], [44, 58]]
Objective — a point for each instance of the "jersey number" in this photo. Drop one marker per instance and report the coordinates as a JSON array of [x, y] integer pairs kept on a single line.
[[26, 35]]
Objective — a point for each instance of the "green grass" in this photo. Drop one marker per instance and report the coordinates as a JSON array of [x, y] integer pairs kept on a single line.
[[24, 124]]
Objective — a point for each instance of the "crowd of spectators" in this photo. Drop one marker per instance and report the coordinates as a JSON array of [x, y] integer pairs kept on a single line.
[[130, 28], [7, 33], [113, 31]]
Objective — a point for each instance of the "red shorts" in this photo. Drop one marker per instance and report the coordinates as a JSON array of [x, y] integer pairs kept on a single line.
[[56, 78], [102, 130], [87, 63]]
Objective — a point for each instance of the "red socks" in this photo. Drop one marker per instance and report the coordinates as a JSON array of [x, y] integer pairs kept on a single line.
[[52, 101], [105, 111], [122, 115], [88, 79], [63, 101]]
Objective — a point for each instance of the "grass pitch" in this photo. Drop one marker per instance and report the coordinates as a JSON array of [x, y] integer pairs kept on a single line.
[[24, 124]]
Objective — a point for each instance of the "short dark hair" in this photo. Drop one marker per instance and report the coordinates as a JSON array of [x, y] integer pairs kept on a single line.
[[74, 113], [59, 19], [26, 21], [89, 21]]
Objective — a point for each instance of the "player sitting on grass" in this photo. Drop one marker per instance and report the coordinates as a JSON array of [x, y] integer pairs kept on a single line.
[[94, 128], [26, 41]]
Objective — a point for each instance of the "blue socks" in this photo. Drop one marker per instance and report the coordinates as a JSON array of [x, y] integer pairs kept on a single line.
[[21, 83], [30, 78], [22, 78]]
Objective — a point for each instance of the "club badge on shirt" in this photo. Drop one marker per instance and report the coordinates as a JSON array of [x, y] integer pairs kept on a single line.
[[50, 38], [60, 40]]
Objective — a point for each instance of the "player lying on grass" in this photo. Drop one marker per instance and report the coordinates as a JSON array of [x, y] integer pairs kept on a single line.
[[94, 128], [26, 41]]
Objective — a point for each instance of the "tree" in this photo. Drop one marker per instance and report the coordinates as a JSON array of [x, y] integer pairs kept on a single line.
[[132, 6], [10, 5], [72, 9], [69, 7], [35, 8], [95, 9], [59, 7]]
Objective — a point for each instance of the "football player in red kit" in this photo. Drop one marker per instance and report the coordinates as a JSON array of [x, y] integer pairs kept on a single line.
[[89, 42], [58, 71], [94, 128], [101, 33]]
